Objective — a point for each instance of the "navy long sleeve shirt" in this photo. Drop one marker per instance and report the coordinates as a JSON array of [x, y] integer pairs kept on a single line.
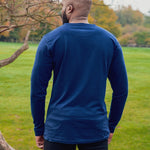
[[82, 57]]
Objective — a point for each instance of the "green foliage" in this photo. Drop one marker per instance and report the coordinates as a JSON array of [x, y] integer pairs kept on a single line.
[[38, 34], [135, 27], [13, 36], [142, 38], [127, 15], [16, 122], [147, 41], [147, 21], [130, 36]]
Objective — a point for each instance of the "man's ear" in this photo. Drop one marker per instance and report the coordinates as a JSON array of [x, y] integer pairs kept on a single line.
[[69, 9]]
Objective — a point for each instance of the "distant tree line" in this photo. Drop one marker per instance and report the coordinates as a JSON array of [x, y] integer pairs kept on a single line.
[[135, 27]]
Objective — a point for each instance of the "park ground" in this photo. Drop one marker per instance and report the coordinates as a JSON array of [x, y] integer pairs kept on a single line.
[[132, 133]]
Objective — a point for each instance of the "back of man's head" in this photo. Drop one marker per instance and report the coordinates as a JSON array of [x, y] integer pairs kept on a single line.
[[76, 8]]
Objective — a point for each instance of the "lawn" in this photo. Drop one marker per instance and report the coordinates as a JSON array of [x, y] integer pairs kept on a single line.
[[132, 133]]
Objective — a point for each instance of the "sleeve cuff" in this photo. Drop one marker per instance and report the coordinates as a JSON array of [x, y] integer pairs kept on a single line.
[[39, 132], [111, 129]]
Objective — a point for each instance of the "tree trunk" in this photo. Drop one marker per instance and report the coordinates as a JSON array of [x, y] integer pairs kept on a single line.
[[11, 59], [3, 144]]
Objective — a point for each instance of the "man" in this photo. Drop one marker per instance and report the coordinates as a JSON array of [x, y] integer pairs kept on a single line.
[[82, 57]]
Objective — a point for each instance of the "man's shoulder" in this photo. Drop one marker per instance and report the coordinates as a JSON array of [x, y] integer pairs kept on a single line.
[[105, 32], [52, 36], [107, 35], [55, 33]]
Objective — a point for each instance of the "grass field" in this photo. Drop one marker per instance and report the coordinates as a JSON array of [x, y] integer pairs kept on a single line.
[[132, 133]]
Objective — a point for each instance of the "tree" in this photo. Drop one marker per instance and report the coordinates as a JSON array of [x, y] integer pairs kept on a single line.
[[127, 39], [126, 15], [28, 15], [134, 28], [3, 144], [147, 21], [142, 38], [104, 17], [17, 53]]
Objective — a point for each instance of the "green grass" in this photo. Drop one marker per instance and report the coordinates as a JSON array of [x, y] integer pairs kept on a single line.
[[132, 133]]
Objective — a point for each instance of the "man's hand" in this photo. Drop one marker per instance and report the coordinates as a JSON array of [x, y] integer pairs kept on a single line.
[[40, 142], [110, 138]]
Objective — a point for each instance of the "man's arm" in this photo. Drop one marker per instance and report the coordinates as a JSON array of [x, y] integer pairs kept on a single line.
[[119, 83], [40, 77]]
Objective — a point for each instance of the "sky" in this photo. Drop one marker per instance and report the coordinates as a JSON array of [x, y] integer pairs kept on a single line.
[[142, 5]]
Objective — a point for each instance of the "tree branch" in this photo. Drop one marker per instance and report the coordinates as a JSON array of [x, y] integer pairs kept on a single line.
[[11, 59], [3, 144], [6, 28]]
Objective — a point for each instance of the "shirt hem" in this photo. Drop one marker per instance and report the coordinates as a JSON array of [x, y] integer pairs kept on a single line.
[[81, 141]]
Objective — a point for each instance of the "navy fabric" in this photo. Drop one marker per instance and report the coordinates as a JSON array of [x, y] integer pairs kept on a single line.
[[82, 57]]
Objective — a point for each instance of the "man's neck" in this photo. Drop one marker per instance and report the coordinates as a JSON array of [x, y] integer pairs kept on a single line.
[[79, 20]]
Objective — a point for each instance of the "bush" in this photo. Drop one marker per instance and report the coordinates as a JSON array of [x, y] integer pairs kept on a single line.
[[142, 38], [147, 42], [127, 40]]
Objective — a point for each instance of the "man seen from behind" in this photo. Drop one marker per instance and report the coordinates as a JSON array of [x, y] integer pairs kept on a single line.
[[82, 56]]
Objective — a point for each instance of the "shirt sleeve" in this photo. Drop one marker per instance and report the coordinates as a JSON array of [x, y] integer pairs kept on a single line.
[[40, 77], [119, 83]]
